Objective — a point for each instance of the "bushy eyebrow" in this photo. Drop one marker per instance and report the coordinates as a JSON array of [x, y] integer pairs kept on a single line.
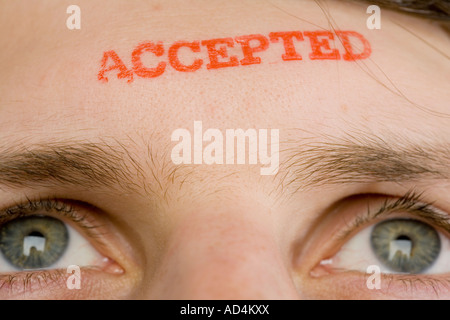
[[363, 159], [307, 164], [87, 165]]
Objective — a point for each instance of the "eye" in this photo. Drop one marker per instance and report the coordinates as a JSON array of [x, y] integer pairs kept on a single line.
[[396, 246], [40, 239], [43, 242], [380, 246]]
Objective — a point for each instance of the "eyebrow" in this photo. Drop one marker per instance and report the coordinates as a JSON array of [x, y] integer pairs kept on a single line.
[[364, 159], [70, 163], [305, 164]]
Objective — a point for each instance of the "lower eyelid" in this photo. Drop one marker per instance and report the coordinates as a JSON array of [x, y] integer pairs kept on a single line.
[[16, 285], [52, 284], [354, 285]]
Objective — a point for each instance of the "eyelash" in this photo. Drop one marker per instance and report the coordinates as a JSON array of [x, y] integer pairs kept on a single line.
[[47, 206], [410, 203], [63, 209]]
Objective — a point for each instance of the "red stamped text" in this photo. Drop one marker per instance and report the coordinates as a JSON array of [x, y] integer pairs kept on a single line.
[[215, 53]]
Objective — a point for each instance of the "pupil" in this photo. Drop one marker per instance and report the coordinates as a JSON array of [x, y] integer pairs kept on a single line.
[[403, 237], [36, 234]]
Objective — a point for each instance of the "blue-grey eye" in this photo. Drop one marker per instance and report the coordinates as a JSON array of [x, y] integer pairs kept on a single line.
[[404, 245], [33, 242]]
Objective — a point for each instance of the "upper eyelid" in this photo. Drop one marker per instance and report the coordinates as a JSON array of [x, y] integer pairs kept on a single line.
[[410, 203], [32, 206], [63, 209]]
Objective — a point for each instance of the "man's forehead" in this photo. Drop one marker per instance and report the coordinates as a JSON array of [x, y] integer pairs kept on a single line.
[[62, 74]]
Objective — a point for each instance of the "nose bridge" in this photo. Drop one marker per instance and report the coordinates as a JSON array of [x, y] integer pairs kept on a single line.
[[226, 255]]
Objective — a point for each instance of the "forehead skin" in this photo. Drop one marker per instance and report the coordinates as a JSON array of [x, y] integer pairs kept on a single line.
[[50, 91], [49, 73], [50, 88]]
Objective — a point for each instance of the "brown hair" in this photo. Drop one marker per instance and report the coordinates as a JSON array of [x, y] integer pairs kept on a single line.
[[430, 9]]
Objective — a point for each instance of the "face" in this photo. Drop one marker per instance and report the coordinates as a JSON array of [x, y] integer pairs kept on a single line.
[[121, 155]]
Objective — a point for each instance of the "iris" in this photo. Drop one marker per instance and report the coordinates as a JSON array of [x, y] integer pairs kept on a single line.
[[405, 245], [33, 242]]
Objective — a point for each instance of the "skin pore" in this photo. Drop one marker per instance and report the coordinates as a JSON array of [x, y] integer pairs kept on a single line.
[[353, 134]]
